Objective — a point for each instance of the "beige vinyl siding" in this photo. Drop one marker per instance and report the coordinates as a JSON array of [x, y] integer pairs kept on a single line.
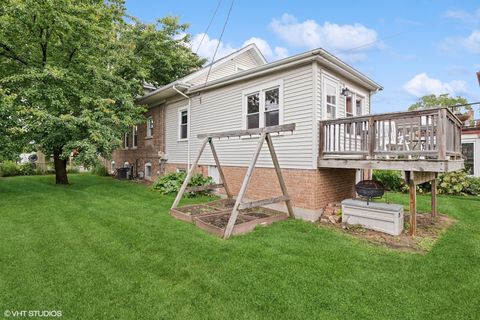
[[244, 60], [341, 83], [221, 110]]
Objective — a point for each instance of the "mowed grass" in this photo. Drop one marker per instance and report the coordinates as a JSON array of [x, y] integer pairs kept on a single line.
[[106, 249]]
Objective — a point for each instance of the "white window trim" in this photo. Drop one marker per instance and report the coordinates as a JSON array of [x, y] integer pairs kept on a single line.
[[179, 122], [149, 132], [134, 146], [148, 164], [261, 90]]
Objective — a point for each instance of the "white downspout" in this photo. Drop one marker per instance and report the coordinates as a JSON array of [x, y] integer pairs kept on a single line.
[[188, 125]]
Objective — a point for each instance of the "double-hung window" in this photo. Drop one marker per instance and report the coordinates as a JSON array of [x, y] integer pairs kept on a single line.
[[468, 154], [263, 107], [149, 127], [134, 137], [182, 124], [126, 141], [331, 100]]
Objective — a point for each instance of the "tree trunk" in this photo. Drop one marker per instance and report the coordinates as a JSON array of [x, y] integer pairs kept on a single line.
[[60, 168]]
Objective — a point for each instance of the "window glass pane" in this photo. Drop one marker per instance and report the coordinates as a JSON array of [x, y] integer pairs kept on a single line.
[[359, 107], [467, 151], [149, 127], [253, 103], [253, 121], [184, 117], [331, 112], [183, 131], [271, 118], [272, 99]]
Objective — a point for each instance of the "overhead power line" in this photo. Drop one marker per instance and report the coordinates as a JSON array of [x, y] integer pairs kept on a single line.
[[219, 40], [208, 26]]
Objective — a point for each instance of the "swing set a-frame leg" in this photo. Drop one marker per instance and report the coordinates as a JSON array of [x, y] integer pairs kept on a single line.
[[189, 174], [243, 189]]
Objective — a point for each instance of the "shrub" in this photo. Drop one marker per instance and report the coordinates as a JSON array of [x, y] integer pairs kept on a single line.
[[391, 179], [73, 169], [453, 183], [171, 183], [10, 168], [473, 187], [99, 170]]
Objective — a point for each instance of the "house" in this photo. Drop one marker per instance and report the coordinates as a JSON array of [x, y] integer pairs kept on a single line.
[[328, 100], [471, 145]]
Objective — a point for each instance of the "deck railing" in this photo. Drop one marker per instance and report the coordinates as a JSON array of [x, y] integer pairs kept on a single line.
[[420, 134]]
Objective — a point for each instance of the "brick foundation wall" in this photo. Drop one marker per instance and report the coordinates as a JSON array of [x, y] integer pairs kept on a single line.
[[147, 147], [309, 189]]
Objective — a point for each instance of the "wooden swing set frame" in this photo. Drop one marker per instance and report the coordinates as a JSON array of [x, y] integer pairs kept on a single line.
[[265, 135]]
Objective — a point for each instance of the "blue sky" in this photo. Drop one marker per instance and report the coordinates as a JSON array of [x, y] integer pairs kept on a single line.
[[412, 48]]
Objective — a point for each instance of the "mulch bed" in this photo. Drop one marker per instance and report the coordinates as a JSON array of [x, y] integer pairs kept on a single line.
[[429, 230]]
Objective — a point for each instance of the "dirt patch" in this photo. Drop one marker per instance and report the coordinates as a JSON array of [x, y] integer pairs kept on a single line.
[[258, 212], [197, 209], [221, 220], [429, 230]]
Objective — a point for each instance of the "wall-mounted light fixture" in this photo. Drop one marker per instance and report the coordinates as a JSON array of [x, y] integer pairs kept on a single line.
[[346, 92]]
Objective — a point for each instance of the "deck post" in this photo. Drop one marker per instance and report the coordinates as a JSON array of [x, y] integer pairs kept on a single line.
[[434, 198], [321, 141], [442, 134], [413, 207], [371, 137], [243, 189]]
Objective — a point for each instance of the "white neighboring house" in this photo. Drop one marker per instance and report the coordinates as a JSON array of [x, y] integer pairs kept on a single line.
[[471, 149]]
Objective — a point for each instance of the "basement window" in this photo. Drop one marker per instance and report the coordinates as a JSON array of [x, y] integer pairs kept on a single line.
[[148, 170]]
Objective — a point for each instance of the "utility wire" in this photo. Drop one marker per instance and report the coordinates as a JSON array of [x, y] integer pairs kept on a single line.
[[219, 40], [208, 26]]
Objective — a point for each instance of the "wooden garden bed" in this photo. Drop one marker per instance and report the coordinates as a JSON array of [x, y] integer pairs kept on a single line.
[[187, 213], [213, 216]]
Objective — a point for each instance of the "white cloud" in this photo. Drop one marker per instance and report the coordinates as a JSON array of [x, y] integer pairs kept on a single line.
[[206, 48], [350, 42], [271, 55], [470, 43], [421, 85], [471, 18]]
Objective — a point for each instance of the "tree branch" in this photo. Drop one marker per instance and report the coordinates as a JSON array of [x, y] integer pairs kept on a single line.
[[12, 55]]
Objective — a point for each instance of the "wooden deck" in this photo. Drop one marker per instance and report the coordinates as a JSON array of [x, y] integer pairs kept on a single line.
[[423, 140]]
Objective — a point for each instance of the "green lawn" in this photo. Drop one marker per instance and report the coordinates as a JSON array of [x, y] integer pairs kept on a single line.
[[105, 249]]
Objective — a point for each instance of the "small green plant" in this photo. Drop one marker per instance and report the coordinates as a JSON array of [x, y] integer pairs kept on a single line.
[[73, 169], [171, 183], [391, 179], [473, 187]]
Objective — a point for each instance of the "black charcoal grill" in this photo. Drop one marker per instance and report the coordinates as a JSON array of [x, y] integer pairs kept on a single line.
[[370, 189]]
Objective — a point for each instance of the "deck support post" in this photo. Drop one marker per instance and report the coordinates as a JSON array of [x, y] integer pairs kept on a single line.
[[434, 198], [413, 208]]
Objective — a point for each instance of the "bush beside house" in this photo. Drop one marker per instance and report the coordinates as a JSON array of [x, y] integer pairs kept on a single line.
[[453, 183]]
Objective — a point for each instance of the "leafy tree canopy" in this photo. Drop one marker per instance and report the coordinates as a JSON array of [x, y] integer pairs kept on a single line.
[[72, 70], [442, 100]]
